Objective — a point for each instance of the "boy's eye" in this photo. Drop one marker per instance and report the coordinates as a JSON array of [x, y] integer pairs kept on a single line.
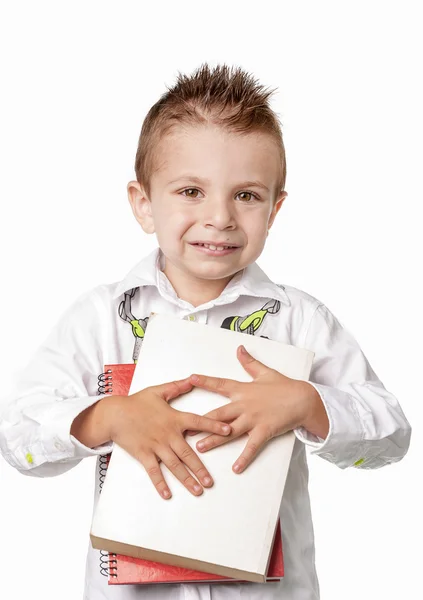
[[250, 197], [189, 195]]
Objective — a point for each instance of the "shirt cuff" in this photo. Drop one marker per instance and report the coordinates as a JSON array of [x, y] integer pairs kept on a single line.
[[82, 451], [57, 442], [344, 440]]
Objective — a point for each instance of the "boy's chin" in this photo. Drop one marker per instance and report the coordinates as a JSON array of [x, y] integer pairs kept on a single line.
[[215, 273]]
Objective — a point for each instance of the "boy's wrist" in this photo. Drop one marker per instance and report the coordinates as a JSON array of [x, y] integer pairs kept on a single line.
[[315, 419], [106, 415], [93, 426]]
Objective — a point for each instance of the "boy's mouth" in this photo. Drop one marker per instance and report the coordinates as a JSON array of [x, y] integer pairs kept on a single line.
[[214, 246], [214, 249]]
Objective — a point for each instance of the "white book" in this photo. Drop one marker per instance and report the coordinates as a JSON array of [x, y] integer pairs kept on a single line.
[[229, 529]]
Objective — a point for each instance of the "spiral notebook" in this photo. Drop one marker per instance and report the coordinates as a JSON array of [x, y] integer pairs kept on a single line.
[[121, 569]]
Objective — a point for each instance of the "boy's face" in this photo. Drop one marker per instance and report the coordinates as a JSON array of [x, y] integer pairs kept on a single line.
[[202, 193]]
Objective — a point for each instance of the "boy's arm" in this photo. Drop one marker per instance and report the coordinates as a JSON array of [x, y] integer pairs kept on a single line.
[[57, 384], [367, 427]]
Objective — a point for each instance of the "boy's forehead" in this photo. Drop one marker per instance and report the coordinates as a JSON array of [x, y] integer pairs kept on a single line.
[[209, 151]]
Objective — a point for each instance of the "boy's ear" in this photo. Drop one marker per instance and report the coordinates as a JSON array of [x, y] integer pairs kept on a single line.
[[276, 208], [141, 206]]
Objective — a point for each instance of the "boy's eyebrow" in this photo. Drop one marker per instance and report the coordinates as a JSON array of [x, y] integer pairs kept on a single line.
[[207, 182]]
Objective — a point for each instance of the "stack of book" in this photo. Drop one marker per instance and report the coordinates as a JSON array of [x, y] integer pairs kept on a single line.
[[232, 531]]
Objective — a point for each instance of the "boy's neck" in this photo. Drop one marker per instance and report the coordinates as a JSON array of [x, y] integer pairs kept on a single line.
[[195, 291]]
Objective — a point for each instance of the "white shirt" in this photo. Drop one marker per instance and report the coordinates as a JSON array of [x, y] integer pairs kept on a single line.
[[368, 429]]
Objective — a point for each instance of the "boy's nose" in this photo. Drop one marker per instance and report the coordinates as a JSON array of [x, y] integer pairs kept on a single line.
[[218, 214]]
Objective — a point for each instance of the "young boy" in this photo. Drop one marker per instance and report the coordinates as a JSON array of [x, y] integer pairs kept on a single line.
[[210, 177]]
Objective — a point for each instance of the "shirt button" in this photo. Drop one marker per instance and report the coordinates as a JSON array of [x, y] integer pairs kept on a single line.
[[191, 318]]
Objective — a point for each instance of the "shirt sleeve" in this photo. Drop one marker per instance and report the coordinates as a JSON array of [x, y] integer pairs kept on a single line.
[[367, 427], [58, 383]]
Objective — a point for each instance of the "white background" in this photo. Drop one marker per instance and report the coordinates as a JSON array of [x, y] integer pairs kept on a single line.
[[77, 80]]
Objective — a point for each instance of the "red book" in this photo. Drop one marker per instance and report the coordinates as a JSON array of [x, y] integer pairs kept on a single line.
[[116, 380]]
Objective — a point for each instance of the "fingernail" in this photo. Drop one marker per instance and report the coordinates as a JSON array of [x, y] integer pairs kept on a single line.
[[166, 494], [200, 445], [237, 467], [225, 428], [207, 481], [197, 488], [243, 350], [195, 379]]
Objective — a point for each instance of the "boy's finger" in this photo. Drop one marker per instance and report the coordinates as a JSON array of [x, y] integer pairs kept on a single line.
[[152, 467], [173, 389], [253, 447], [174, 464], [225, 413], [212, 441], [191, 459], [253, 366], [222, 386], [195, 422]]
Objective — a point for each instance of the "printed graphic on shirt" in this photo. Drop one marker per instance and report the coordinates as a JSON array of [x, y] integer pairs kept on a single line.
[[138, 325], [251, 323]]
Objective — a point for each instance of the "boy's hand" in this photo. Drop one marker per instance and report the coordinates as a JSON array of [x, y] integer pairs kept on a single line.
[[149, 429], [270, 405]]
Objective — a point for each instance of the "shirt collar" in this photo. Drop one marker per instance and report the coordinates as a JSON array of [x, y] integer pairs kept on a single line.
[[143, 273], [251, 281]]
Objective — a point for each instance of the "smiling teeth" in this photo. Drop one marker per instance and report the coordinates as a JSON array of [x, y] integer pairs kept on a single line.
[[211, 247]]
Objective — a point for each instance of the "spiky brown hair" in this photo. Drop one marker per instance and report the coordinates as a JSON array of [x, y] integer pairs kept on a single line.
[[224, 96]]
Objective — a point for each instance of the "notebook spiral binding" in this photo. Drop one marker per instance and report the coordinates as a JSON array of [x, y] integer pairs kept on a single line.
[[105, 386], [105, 383], [107, 560], [102, 469]]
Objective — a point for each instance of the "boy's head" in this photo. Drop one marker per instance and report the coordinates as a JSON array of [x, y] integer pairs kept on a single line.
[[210, 169]]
